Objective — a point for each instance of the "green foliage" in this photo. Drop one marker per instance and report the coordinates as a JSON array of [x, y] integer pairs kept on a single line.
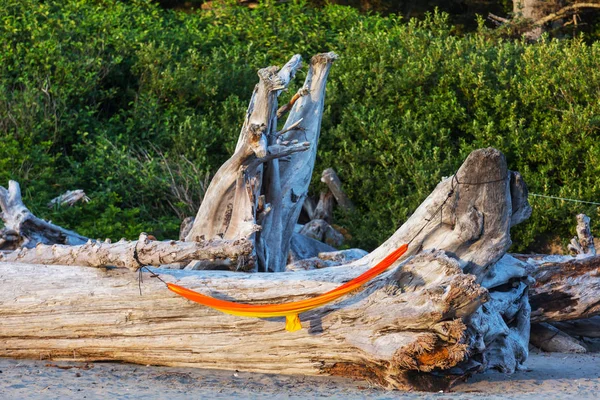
[[135, 105]]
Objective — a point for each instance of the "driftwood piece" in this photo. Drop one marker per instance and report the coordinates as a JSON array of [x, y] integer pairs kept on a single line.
[[319, 229], [422, 315], [31, 229], [324, 208], [589, 327], [286, 183], [130, 254], [229, 208], [583, 243], [69, 198], [566, 287], [9, 239], [330, 178], [309, 207], [315, 229], [565, 290], [303, 247], [327, 259], [552, 339]]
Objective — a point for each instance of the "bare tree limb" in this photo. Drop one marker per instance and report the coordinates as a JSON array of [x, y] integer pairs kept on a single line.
[[565, 12], [129, 254]]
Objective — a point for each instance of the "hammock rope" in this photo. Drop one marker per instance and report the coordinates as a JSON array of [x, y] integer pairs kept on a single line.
[[289, 310]]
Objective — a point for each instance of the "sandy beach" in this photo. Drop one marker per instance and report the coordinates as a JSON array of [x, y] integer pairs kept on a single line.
[[547, 376]]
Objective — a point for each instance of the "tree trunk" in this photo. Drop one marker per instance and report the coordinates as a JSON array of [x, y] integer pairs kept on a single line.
[[422, 315], [259, 196], [531, 10]]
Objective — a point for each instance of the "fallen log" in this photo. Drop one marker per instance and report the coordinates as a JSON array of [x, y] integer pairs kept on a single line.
[[565, 290], [553, 340], [566, 287], [379, 334], [419, 325], [589, 327]]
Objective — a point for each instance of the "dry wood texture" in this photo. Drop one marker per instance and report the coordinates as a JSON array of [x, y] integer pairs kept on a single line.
[[130, 254], [423, 315], [565, 290], [259, 192]]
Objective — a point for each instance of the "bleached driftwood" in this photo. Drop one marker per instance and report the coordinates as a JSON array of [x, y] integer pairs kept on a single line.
[[380, 334], [33, 240], [130, 254], [258, 193], [69, 198], [327, 259], [31, 229], [324, 208], [330, 178], [422, 315], [583, 243]]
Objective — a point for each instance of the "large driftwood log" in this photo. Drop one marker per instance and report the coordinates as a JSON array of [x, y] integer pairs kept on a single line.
[[423, 315], [385, 333]]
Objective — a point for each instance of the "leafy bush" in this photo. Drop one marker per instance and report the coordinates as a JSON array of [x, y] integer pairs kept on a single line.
[[127, 101]]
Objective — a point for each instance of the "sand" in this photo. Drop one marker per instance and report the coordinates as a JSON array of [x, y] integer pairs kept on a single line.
[[547, 376]]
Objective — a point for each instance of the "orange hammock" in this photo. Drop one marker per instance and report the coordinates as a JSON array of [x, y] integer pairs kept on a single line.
[[289, 310]]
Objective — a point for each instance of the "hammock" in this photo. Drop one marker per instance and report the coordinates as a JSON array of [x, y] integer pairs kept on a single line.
[[289, 310]]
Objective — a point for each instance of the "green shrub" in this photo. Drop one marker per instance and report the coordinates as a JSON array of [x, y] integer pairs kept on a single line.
[[128, 101]]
